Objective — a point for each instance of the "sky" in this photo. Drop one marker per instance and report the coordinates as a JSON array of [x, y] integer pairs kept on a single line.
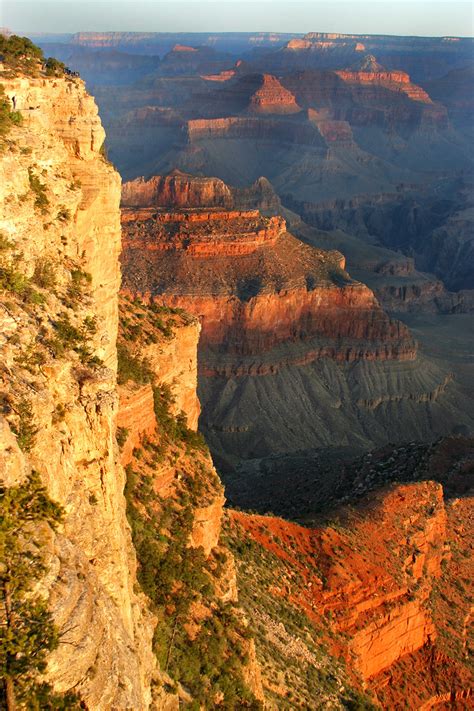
[[395, 17]]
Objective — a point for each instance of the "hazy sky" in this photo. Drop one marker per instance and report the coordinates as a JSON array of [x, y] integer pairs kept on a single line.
[[409, 17]]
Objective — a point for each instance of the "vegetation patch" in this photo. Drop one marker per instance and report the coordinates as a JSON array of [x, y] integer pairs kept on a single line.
[[11, 278], [131, 367], [209, 661], [39, 190], [19, 55], [8, 117], [72, 337], [27, 632]]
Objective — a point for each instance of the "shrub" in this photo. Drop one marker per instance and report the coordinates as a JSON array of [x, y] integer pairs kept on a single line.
[[54, 67], [71, 337], [44, 274], [19, 53], [122, 434], [8, 118], [131, 367], [17, 283], [64, 215], [39, 189], [175, 428], [25, 430], [79, 282], [5, 243]]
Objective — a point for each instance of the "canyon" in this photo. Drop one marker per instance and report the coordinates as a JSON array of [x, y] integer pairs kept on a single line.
[[245, 374], [278, 316]]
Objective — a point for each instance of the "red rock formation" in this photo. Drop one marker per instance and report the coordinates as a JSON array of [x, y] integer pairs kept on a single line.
[[176, 190], [279, 291], [273, 98], [180, 190], [183, 48], [225, 75], [394, 80], [370, 578], [137, 416]]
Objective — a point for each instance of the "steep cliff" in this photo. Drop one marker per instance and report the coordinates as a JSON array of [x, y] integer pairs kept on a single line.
[[141, 590], [175, 508], [59, 309], [382, 584], [182, 190]]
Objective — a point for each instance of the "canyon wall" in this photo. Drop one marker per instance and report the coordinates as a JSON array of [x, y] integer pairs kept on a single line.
[[383, 582], [256, 128], [60, 218], [174, 494], [175, 190]]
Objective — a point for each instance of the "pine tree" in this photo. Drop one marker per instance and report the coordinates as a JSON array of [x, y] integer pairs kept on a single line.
[[27, 631]]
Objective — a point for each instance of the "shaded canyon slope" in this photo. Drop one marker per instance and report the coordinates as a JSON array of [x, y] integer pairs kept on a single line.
[[293, 352]]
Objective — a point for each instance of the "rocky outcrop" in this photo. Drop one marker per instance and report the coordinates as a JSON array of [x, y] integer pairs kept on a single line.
[[368, 98], [373, 594], [59, 214], [280, 290], [394, 81], [136, 417], [272, 98], [176, 366], [259, 128], [383, 582], [172, 485], [182, 190], [176, 190]]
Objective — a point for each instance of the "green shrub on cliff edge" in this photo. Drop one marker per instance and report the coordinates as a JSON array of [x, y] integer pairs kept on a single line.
[[20, 53], [27, 632]]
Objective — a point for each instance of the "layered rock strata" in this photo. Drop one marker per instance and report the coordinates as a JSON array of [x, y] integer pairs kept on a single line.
[[383, 580], [277, 291], [266, 128], [272, 98], [60, 223], [182, 190], [372, 576]]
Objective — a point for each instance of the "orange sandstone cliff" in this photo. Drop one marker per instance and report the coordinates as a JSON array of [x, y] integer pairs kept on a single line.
[[60, 225], [385, 584], [136, 574]]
